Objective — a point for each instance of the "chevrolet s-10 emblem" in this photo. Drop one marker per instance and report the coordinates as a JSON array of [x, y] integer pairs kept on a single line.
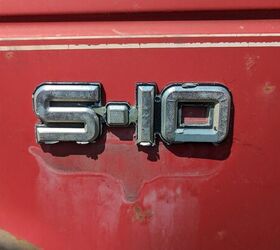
[[185, 112]]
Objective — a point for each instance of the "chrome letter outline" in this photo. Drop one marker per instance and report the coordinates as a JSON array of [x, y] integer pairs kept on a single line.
[[183, 112]]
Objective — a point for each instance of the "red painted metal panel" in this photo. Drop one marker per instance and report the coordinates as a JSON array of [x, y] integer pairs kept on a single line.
[[191, 196], [122, 29], [39, 7]]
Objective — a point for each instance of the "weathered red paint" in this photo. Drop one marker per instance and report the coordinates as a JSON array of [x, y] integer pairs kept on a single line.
[[114, 195], [41, 7]]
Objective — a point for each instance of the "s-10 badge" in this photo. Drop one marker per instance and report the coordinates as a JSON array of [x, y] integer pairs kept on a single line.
[[185, 112]]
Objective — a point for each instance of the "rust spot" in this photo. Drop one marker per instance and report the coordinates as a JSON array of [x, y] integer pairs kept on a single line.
[[141, 214], [9, 55], [268, 88], [10, 242]]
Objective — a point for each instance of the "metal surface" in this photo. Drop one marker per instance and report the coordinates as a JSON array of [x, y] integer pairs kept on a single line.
[[69, 110], [117, 114], [216, 97], [145, 121], [60, 120], [113, 195]]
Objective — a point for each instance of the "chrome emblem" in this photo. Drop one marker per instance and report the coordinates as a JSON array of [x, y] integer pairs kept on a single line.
[[185, 112]]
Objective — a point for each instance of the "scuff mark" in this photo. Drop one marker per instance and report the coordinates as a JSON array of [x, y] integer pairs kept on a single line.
[[10, 242], [250, 62], [221, 235], [118, 32], [268, 88]]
